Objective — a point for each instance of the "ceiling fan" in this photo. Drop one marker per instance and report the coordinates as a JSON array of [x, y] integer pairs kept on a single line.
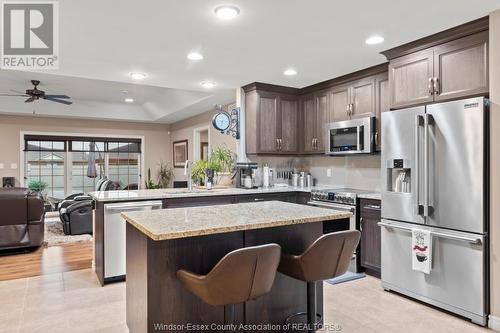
[[35, 94]]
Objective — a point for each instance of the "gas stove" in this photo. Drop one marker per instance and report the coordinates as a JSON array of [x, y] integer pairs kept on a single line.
[[347, 196]]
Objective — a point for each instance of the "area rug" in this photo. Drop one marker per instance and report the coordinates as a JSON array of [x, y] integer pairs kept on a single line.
[[54, 234], [348, 276]]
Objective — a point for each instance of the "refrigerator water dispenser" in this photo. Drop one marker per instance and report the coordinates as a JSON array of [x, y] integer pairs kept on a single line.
[[398, 176]]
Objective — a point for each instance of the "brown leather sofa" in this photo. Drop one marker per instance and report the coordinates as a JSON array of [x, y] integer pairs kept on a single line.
[[21, 219]]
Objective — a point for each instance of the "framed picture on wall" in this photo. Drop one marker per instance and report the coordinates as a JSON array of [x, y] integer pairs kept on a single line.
[[180, 151]]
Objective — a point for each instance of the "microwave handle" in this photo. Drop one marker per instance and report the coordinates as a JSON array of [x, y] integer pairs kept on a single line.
[[359, 132]]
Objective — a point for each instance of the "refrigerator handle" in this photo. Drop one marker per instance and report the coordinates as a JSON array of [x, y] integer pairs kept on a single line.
[[472, 240], [428, 121], [419, 122]]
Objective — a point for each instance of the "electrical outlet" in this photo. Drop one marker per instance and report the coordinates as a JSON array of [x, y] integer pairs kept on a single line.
[[2, 166], [328, 172]]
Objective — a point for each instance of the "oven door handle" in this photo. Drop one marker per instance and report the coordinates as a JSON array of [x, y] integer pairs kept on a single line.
[[344, 208]]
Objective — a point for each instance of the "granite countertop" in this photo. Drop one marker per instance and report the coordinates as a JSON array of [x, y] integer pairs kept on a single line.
[[373, 196], [175, 223], [107, 196]]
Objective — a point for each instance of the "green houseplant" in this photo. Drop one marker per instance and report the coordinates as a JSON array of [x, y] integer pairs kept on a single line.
[[150, 185], [220, 161], [165, 175], [37, 185]]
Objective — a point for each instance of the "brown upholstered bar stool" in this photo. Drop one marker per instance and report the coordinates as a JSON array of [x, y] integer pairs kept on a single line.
[[241, 275], [328, 257]]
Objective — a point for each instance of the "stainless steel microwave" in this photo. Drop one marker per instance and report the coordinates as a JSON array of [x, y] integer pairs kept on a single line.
[[353, 136]]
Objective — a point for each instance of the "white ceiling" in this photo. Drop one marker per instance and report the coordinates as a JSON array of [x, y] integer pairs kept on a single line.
[[321, 39]]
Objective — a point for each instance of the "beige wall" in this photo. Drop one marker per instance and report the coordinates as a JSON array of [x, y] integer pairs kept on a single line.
[[184, 130], [495, 165], [156, 139]]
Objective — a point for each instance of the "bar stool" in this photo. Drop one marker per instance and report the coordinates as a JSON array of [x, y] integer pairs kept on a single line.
[[240, 276], [328, 257]]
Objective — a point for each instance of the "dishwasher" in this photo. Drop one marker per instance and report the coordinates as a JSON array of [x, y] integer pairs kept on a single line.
[[115, 236]]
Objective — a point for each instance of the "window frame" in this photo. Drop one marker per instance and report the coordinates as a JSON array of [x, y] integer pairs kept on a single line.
[[139, 139]]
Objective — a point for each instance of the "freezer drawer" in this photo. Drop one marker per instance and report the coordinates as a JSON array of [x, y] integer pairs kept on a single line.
[[457, 279], [114, 235]]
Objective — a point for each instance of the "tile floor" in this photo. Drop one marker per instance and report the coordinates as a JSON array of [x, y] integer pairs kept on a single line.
[[74, 302]]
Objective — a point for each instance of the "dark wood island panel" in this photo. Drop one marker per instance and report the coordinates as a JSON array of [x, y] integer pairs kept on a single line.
[[155, 296]]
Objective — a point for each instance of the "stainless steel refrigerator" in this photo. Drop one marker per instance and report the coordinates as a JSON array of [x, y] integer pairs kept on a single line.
[[434, 177]]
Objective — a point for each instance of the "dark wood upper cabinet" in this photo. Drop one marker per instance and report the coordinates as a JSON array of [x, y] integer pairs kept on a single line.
[[288, 126], [308, 119], [370, 243], [363, 98], [321, 105], [272, 119], [449, 65], [339, 103], [268, 122], [410, 79], [461, 67], [382, 104], [283, 120]]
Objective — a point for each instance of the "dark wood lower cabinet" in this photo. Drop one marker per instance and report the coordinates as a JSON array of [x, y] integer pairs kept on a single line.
[[370, 245]]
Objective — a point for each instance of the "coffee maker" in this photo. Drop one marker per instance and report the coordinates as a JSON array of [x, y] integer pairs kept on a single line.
[[245, 175]]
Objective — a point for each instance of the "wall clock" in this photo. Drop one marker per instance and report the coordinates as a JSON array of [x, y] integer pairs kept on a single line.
[[222, 121], [227, 122]]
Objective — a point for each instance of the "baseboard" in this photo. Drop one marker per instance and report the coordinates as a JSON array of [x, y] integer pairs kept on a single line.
[[494, 323]]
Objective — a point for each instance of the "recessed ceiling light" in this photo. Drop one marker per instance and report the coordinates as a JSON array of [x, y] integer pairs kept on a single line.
[[195, 56], [137, 76], [290, 72], [129, 100], [374, 40], [208, 84], [226, 12]]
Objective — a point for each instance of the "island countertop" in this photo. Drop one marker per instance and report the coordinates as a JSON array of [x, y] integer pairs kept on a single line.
[[186, 222]]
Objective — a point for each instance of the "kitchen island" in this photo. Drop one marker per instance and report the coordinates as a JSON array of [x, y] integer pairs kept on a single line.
[[109, 227], [160, 242]]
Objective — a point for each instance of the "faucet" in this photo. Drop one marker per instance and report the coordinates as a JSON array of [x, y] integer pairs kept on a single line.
[[187, 172]]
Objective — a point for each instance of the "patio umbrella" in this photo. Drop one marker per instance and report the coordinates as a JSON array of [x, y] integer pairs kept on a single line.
[[91, 165]]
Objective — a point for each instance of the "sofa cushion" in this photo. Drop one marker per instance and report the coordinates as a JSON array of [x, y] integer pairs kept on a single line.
[[14, 206], [14, 235]]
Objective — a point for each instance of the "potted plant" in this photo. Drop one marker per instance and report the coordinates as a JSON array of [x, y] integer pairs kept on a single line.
[[150, 185], [37, 185], [219, 163], [165, 175]]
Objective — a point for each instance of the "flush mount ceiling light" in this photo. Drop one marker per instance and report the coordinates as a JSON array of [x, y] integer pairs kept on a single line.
[[373, 40], [208, 84], [226, 12], [129, 100], [290, 72], [195, 56], [137, 76]]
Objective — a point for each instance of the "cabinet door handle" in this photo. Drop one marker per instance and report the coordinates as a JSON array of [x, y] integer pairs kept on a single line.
[[360, 224], [277, 144], [376, 138], [352, 109], [347, 109], [430, 86], [435, 85], [281, 144]]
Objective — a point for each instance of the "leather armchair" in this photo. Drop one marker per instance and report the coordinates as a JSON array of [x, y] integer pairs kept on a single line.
[[22, 219], [76, 213]]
